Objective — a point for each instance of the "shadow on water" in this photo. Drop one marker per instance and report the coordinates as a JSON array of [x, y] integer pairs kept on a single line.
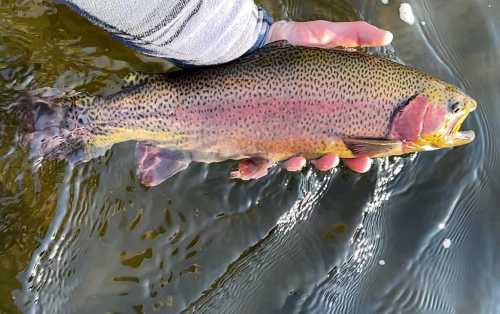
[[415, 235], [160, 248]]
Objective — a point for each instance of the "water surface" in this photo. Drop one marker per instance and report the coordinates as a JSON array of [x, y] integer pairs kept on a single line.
[[418, 234]]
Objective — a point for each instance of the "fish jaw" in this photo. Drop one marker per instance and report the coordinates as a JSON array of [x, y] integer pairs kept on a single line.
[[447, 141], [452, 136], [460, 138], [457, 137]]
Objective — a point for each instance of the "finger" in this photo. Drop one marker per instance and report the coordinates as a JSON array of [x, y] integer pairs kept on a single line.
[[251, 168], [330, 34], [326, 162], [294, 163], [360, 164]]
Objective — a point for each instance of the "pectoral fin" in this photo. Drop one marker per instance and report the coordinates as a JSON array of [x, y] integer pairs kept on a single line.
[[373, 147], [155, 165]]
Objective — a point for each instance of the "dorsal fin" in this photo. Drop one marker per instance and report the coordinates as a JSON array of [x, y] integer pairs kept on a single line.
[[79, 99], [140, 78], [275, 44], [265, 50], [277, 47], [130, 80]]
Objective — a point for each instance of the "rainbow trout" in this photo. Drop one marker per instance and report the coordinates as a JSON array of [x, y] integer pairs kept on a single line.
[[279, 102]]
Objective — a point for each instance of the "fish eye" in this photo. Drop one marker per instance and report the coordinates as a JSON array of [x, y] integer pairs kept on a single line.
[[456, 107]]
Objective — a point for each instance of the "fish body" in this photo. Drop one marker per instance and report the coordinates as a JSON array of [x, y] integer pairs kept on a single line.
[[280, 102]]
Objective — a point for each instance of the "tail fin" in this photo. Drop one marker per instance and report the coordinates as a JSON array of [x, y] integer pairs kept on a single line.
[[37, 113], [43, 122]]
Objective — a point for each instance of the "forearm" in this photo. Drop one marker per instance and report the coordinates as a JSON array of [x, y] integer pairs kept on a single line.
[[195, 32]]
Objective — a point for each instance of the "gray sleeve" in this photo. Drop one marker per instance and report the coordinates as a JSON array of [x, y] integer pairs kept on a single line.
[[192, 32]]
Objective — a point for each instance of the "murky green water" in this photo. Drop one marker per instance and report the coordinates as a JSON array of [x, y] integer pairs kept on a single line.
[[92, 239]]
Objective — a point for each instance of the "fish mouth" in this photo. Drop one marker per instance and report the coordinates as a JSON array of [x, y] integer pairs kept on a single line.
[[459, 138], [451, 137], [455, 137]]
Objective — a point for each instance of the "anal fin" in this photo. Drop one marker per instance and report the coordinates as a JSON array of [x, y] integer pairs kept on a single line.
[[155, 164]]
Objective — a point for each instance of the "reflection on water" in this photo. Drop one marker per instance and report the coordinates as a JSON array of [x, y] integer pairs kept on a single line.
[[416, 235]]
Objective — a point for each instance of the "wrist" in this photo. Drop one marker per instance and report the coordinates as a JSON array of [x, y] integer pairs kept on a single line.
[[280, 31], [266, 22]]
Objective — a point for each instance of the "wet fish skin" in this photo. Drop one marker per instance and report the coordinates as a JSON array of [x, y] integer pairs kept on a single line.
[[280, 102]]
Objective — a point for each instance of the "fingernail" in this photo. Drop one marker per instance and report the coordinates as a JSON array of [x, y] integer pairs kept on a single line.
[[387, 38]]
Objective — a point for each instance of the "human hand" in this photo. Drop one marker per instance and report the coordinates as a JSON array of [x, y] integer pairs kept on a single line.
[[324, 34]]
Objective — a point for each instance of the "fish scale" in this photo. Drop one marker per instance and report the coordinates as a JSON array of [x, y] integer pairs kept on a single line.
[[279, 102]]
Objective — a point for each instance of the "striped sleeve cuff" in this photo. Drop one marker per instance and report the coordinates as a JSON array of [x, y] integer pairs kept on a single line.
[[265, 20]]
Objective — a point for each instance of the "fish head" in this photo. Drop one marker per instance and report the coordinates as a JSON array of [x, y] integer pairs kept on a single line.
[[447, 109], [432, 118]]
